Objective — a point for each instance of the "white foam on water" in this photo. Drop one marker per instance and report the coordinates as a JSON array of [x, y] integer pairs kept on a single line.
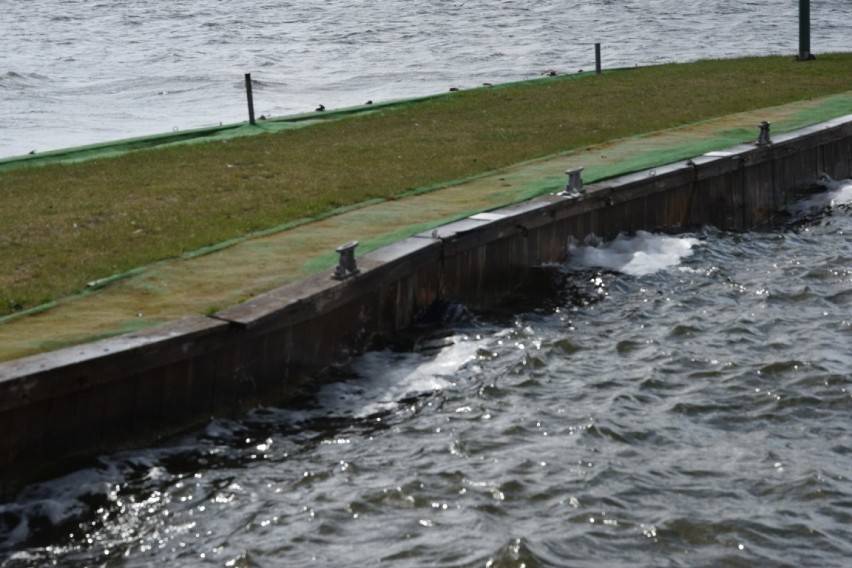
[[638, 255], [837, 193], [55, 501], [385, 378]]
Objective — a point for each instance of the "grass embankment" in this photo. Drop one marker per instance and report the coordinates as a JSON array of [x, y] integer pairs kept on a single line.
[[65, 225]]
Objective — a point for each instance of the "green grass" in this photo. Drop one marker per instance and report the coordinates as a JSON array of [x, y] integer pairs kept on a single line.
[[66, 225]]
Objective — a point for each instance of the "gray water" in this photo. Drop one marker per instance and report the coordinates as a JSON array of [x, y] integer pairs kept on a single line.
[[679, 401], [75, 72]]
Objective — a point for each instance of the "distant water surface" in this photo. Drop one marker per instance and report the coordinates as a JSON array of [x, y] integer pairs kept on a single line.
[[74, 72]]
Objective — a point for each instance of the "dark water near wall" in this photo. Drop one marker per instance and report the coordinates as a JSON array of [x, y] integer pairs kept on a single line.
[[684, 401], [77, 72]]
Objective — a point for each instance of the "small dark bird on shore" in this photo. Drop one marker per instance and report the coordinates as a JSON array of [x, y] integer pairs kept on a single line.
[[369, 102], [454, 89], [320, 108]]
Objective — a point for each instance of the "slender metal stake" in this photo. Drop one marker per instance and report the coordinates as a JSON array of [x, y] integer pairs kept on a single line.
[[250, 98], [805, 31], [597, 59]]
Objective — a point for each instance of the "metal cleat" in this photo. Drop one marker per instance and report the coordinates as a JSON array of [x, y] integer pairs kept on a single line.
[[574, 189], [346, 266], [763, 138]]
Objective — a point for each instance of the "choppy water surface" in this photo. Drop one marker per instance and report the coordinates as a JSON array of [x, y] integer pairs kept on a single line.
[[685, 401], [76, 72]]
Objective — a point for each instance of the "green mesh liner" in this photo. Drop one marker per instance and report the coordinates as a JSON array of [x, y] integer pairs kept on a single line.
[[128, 326], [227, 131], [192, 136], [627, 159]]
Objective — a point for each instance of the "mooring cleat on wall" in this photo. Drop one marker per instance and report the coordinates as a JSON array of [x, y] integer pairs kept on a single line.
[[574, 189]]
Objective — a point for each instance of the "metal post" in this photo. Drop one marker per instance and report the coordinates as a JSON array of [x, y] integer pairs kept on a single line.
[[805, 31], [597, 58], [250, 98], [347, 265], [575, 187], [763, 138]]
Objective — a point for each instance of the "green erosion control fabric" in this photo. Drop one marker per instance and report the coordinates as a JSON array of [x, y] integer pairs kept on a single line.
[[194, 136], [218, 133], [213, 278]]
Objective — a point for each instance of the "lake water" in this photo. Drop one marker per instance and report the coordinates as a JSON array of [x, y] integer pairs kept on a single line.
[[75, 72], [682, 401]]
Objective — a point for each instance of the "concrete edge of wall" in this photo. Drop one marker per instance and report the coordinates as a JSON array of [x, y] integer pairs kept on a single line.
[[40, 377], [96, 396]]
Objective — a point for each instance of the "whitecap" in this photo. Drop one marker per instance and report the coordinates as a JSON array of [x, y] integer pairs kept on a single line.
[[385, 378], [837, 193], [639, 255]]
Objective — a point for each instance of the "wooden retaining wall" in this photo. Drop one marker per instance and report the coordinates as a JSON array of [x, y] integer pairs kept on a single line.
[[65, 406]]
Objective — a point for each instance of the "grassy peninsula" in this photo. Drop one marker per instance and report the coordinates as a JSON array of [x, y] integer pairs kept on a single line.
[[62, 226]]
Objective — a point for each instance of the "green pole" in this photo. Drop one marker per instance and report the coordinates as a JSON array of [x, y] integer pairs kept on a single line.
[[805, 31]]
